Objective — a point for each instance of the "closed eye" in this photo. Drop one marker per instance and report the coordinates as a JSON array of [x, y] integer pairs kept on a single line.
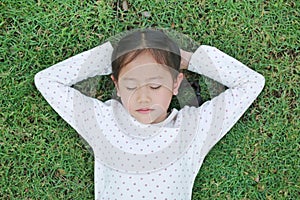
[[155, 87], [130, 88]]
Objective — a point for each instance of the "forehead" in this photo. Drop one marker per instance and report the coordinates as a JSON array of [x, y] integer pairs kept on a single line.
[[144, 67]]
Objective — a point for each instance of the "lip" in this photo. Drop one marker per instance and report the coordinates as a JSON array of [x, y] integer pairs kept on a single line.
[[144, 110]]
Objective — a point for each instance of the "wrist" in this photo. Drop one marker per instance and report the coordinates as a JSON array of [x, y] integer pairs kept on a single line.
[[185, 59]]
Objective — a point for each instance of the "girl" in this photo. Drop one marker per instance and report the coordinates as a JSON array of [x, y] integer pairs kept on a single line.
[[141, 150]]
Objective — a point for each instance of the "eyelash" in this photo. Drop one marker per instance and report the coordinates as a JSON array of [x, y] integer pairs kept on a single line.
[[130, 88], [153, 88]]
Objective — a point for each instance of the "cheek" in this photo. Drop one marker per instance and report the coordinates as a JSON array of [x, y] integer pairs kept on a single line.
[[165, 98], [126, 98]]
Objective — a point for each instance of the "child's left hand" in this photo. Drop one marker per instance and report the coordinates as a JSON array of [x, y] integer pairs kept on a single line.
[[185, 59]]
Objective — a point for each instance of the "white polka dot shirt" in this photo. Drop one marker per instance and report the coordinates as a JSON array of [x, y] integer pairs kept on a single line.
[[140, 161]]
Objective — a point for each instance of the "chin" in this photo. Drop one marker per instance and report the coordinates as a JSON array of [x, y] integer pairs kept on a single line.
[[145, 121], [150, 119]]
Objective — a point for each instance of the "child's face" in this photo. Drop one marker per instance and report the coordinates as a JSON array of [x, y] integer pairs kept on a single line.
[[146, 89]]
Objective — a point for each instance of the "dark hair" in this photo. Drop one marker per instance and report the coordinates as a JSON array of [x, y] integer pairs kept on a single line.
[[164, 50]]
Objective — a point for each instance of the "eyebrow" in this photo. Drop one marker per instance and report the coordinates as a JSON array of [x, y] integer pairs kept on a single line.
[[148, 79]]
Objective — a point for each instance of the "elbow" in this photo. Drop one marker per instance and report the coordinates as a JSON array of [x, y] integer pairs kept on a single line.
[[258, 84], [39, 80], [261, 81]]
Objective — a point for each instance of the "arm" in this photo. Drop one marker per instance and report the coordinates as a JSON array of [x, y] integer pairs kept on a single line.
[[185, 59], [55, 82], [244, 85]]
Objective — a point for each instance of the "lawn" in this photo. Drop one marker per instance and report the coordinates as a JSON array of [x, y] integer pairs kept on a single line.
[[42, 157]]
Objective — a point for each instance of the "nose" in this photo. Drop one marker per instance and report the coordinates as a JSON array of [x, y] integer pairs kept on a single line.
[[142, 95]]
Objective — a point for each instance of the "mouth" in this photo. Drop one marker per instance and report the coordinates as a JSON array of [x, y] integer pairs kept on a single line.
[[144, 110]]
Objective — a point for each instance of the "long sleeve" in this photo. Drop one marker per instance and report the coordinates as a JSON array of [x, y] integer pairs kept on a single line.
[[218, 115], [55, 82]]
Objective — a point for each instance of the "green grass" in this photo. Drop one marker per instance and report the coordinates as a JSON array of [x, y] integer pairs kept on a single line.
[[42, 157]]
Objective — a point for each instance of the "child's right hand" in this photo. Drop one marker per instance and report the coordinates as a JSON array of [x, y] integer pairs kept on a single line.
[[185, 59]]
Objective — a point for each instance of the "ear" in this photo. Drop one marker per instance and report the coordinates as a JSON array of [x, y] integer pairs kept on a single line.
[[177, 83], [116, 84]]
